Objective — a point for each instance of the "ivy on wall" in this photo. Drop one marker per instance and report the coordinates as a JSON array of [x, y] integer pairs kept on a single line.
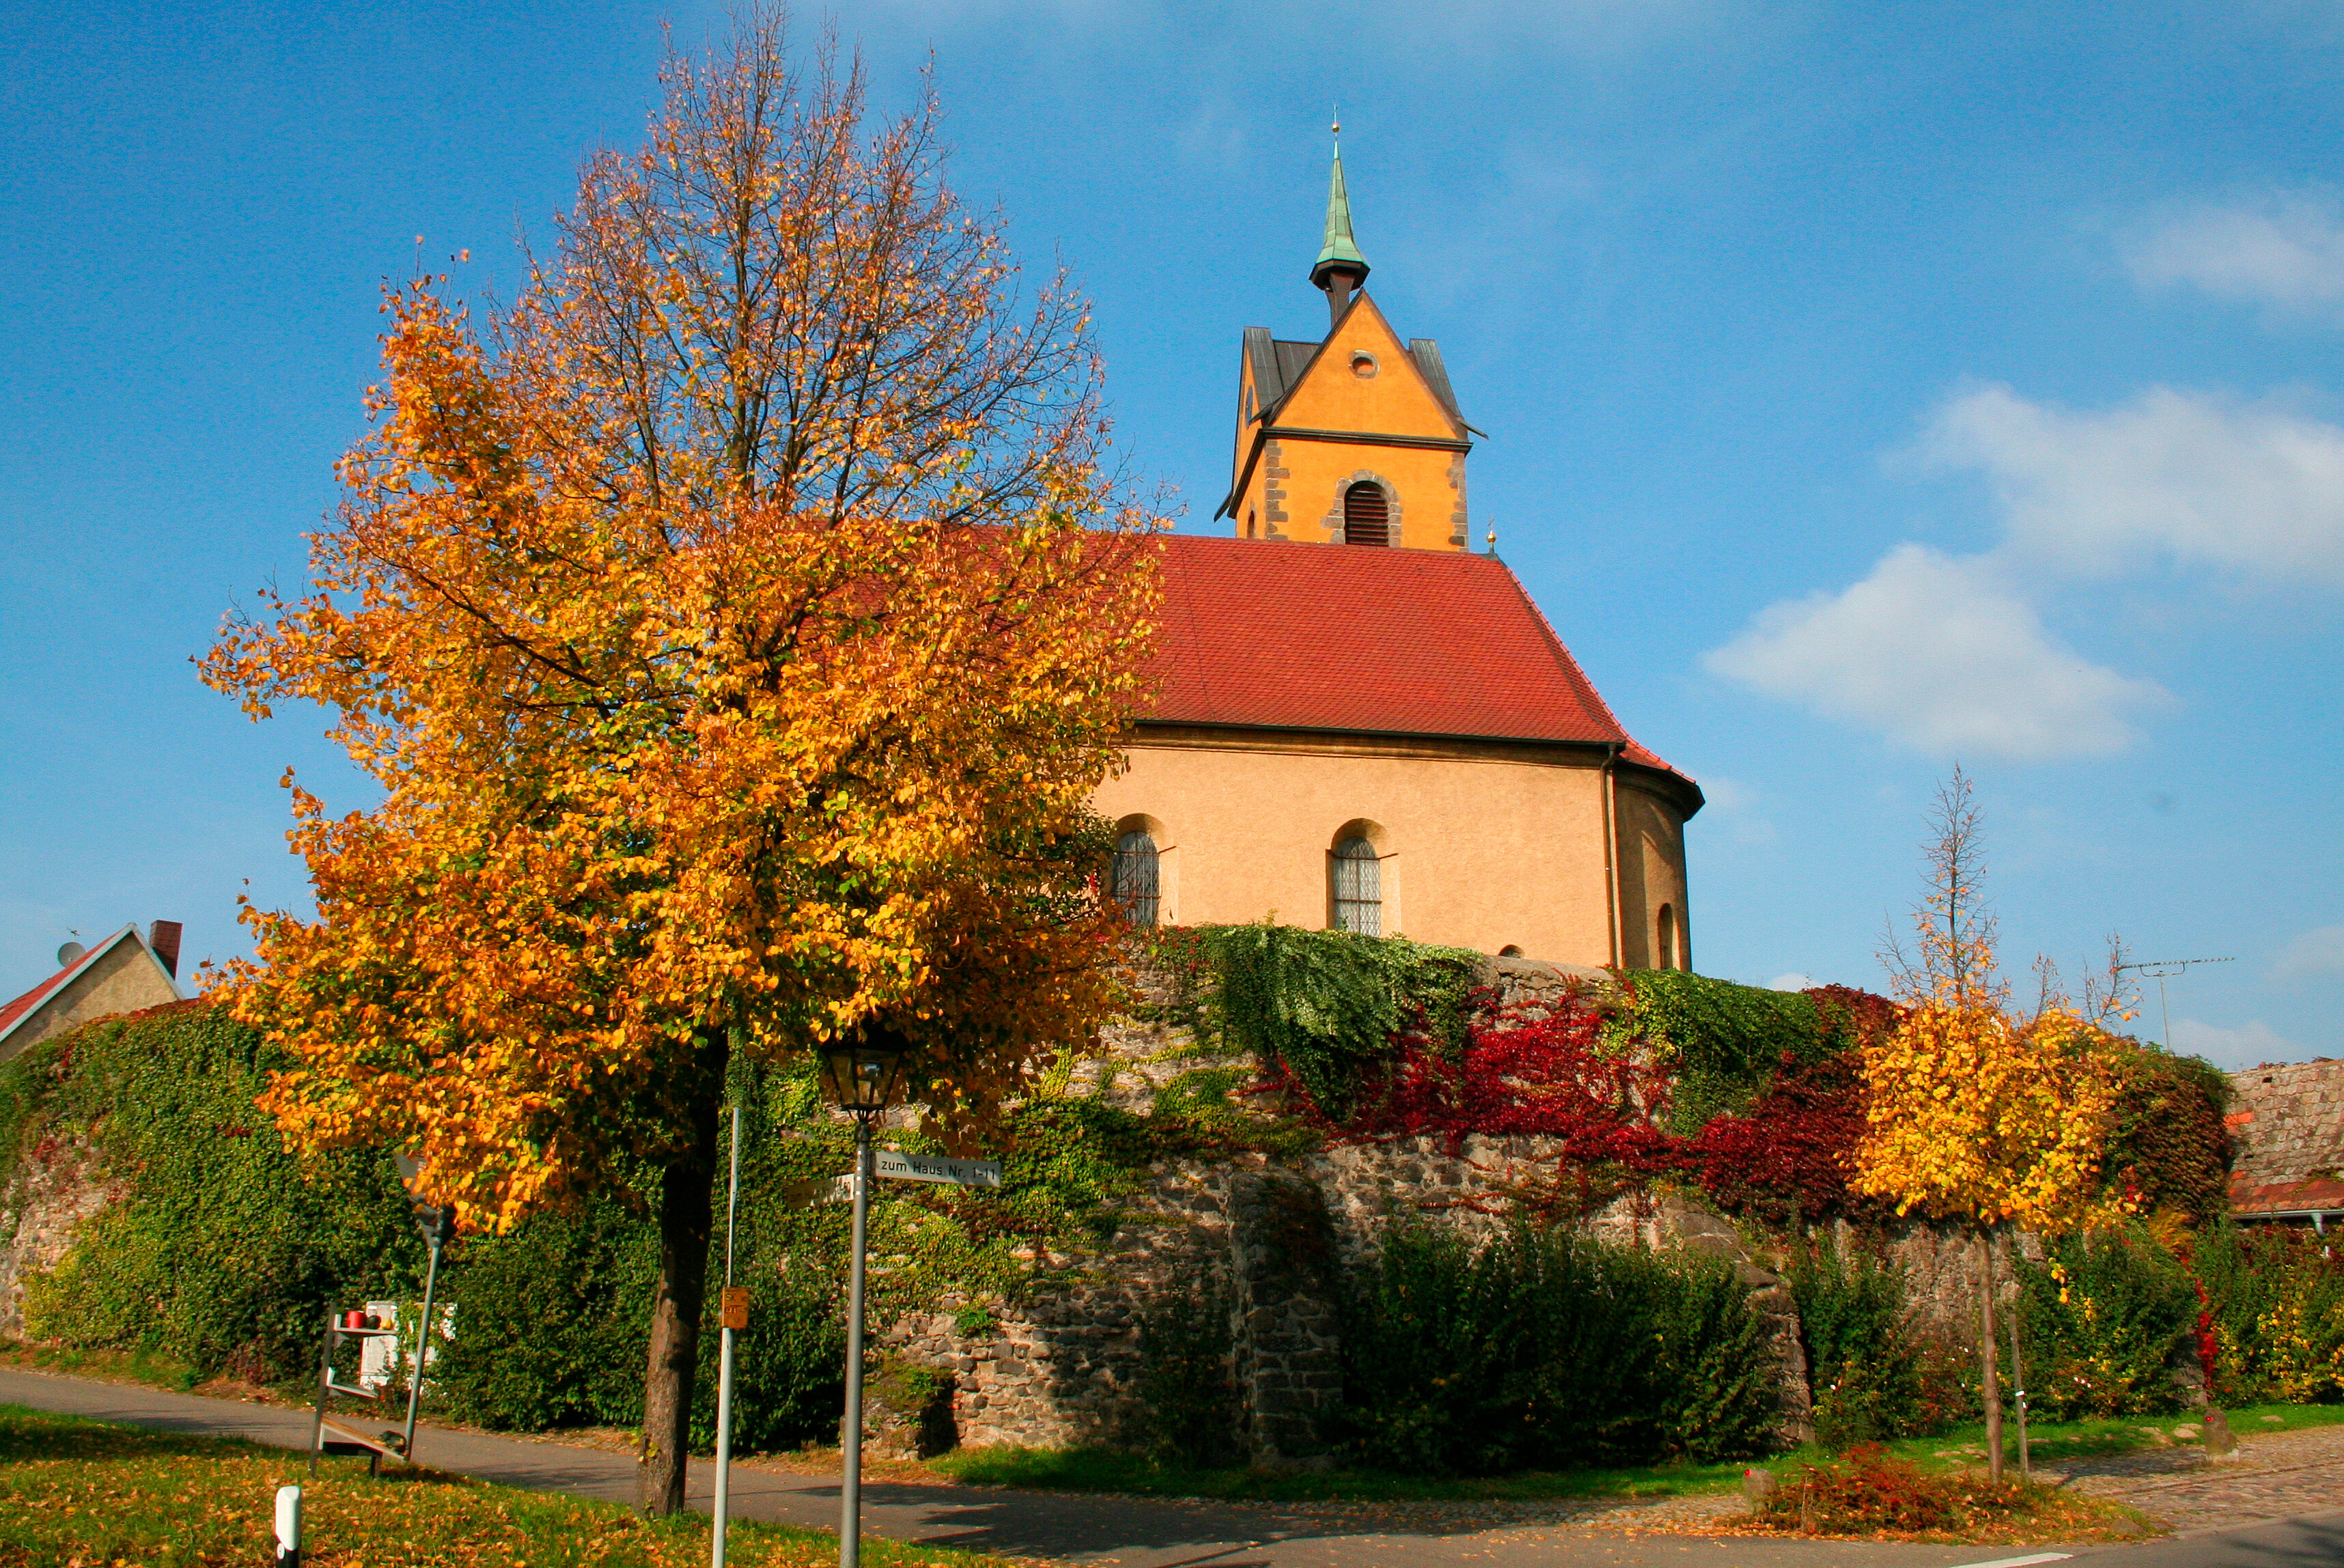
[[1328, 1006], [218, 1251]]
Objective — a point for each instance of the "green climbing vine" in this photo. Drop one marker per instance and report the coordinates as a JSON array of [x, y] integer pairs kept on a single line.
[[1328, 1004]]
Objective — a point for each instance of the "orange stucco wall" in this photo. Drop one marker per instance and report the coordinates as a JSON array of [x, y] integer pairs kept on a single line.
[[1485, 846], [1290, 486]]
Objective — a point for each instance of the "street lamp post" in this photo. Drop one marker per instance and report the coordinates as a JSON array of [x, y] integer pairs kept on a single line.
[[862, 1070]]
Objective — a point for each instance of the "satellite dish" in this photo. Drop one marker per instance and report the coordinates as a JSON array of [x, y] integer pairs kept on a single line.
[[69, 952]]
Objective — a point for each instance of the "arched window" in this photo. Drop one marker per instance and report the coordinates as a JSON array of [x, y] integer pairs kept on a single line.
[[1665, 946], [1134, 876], [1359, 888], [1366, 515]]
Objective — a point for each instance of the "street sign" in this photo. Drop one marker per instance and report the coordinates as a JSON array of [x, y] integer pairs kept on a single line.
[[733, 1307], [897, 1167], [887, 1162]]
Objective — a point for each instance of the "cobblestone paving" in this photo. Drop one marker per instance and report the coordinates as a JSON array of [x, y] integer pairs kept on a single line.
[[2275, 1475]]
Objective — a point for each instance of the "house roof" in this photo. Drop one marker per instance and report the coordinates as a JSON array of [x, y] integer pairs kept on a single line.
[[1267, 634], [25, 1006]]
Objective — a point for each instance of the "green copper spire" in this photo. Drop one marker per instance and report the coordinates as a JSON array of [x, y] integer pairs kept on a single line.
[[1342, 252]]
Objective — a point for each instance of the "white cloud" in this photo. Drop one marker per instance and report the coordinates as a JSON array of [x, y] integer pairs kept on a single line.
[[1941, 654], [2314, 953], [2247, 1046], [2171, 474], [1791, 981], [2284, 250]]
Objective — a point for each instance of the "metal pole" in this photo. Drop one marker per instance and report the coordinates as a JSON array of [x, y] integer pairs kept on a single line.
[[422, 1353], [850, 1491], [325, 1377], [724, 1367], [2018, 1376], [2163, 1015]]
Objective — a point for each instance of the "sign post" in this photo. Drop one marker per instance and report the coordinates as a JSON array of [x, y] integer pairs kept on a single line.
[[735, 1306], [436, 1223]]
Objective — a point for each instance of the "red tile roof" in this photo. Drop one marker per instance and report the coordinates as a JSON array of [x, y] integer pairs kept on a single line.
[[1270, 634], [2249, 1198]]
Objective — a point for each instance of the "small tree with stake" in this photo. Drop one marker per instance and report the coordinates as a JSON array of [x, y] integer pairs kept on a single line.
[[1971, 1114], [736, 633]]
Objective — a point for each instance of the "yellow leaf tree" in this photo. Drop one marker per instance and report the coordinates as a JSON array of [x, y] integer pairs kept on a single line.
[[736, 630], [1974, 1115]]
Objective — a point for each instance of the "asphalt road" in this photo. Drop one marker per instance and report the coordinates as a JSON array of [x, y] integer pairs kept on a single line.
[[1143, 1532]]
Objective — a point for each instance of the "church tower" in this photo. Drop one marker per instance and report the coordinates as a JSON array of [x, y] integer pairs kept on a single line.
[[1355, 438]]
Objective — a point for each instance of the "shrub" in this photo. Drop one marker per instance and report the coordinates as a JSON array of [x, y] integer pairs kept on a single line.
[[551, 1321], [1546, 1348], [1862, 1363], [2101, 1320], [1872, 1491], [2275, 1299]]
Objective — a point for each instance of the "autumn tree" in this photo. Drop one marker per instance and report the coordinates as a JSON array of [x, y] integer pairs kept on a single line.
[[1972, 1114], [736, 626]]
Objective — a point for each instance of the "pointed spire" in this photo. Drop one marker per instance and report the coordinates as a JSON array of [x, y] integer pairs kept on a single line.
[[1342, 252]]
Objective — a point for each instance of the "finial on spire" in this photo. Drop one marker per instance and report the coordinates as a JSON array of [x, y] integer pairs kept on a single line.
[[1341, 269]]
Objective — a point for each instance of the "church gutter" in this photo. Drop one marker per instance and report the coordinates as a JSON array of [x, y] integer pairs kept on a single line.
[[1611, 848]]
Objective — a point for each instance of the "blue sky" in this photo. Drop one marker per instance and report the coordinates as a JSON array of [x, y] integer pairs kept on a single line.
[[1868, 387]]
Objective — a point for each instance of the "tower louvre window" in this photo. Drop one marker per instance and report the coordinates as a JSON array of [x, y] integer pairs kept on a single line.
[[1367, 516], [1133, 878], [1359, 888]]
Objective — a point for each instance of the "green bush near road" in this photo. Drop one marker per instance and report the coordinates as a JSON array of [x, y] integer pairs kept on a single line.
[[2102, 1319], [1544, 1348], [1864, 1364]]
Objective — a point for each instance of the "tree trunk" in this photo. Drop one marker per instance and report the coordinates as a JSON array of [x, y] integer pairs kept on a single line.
[[686, 1221], [1991, 1361]]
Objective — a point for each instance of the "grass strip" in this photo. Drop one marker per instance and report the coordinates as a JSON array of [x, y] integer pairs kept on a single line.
[[1104, 1469], [76, 1491]]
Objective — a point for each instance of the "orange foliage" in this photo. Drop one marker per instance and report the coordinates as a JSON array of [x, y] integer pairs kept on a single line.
[[736, 630]]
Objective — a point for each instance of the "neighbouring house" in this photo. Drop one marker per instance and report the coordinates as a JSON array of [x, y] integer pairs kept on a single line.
[[122, 974], [1359, 722], [2287, 1121]]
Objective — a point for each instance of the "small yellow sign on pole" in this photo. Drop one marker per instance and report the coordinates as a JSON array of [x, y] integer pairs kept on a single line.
[[733, 1308]]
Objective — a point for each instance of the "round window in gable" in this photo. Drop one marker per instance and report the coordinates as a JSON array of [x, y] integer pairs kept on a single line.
[[1363, 364]]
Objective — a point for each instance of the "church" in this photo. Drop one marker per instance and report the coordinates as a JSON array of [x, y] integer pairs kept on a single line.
[[1359, 722]]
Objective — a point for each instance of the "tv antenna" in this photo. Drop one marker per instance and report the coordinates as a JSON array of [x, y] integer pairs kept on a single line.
[[2161, 970]]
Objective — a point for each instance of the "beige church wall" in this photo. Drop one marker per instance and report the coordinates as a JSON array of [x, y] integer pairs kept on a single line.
[[124, 981], [1475, 849], [1652, 874]]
